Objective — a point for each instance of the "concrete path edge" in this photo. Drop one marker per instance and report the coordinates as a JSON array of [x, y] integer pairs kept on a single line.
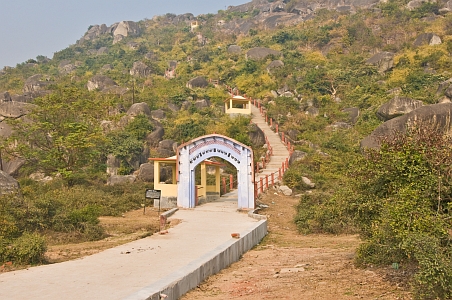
[[180, 282]]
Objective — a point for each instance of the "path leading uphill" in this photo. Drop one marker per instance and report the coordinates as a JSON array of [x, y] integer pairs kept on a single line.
[[280, 151]]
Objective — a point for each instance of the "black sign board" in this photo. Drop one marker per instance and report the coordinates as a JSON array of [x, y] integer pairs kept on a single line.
[[153, 194]]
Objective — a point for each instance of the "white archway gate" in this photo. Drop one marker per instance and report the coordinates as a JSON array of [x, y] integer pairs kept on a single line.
[[190, 154]]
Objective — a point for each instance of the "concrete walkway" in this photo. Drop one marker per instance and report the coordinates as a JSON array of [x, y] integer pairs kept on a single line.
[[280, 152], [132, 270]]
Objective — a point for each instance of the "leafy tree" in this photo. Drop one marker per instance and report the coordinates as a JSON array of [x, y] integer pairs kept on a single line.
[[62, 133]]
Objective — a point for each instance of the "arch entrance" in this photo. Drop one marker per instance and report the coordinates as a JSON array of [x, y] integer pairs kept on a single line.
[[190, 154]]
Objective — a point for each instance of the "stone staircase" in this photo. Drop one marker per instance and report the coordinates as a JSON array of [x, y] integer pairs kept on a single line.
[[277, 162]]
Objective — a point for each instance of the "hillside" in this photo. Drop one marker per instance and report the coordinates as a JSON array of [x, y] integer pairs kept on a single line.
[[338, 77]]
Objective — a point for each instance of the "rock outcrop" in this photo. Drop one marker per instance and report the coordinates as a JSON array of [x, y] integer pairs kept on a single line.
[[140, 69], [396, 107], [36, 83], [100, 82], [436, 116], [15, 109]]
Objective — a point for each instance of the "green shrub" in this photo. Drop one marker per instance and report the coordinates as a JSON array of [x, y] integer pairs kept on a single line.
[[29, 248]]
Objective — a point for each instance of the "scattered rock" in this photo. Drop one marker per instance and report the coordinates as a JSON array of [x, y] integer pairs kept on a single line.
[[259, 53], [353, 114], [285, 190], [308, 182], [384, 61], [100, 82]]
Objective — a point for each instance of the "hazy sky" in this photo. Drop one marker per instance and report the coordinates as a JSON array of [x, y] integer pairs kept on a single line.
[[41, 27]]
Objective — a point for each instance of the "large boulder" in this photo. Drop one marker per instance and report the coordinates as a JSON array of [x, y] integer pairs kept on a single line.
[[66, 67], [113, 164], [93, 32], [427, 39], [438, 116], [139, 108], [296, 156], [353, 114], [121, 179], [15, 109], [100, 82], [153, 138], [234, 49], [125, 28], [5, 130], [197, 82], [8, 185], [11, 167], [384, 61], [397, 106], [167, 148], [36, 82], [256, 135], [140, 69], [146, 172], [202, 103], [259, 53]]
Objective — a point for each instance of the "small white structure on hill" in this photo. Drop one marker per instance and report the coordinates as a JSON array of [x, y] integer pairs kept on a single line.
[[237, 105]]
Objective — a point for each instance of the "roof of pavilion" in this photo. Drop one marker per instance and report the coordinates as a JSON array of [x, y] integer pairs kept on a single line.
[[174, 158], [238, 98]]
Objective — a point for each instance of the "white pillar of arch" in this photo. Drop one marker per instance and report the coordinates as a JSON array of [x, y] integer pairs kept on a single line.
[[190, 154]]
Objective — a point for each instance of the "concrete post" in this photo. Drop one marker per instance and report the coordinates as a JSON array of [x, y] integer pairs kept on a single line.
[[224, 185], [203, 191], [217, 180], [173, 174], [156, 173]]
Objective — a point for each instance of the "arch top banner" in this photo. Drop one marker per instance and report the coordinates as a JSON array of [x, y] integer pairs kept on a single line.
[[190, 154]]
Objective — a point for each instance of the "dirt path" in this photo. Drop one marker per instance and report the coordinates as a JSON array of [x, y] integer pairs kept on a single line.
[[287, 265]]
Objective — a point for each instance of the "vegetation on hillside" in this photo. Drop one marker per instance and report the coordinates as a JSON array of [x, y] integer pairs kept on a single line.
[[397, 198]]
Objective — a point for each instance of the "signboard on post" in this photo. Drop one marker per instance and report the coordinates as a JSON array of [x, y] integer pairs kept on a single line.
[[153, 194]]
